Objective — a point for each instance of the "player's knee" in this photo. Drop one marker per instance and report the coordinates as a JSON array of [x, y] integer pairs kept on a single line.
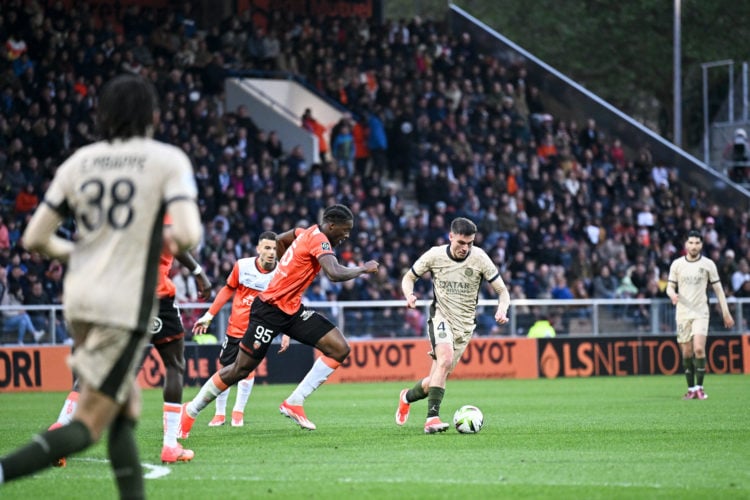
[[700, 352]]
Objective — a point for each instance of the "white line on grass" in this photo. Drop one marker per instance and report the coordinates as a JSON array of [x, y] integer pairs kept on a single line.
[[154, 471]]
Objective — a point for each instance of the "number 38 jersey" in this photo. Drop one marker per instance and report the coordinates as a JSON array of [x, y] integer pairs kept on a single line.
[[118, 192]]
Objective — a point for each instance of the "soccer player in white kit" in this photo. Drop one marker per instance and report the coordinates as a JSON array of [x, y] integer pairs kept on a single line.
[[689, 277], [118, 190]]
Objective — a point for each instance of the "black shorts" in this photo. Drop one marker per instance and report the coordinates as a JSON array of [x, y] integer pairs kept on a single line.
[[229, 350], [167, 326], [267, 321]]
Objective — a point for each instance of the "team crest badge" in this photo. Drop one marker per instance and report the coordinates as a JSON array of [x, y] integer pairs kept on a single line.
[[468, 272], [156, 325], [256, 345]]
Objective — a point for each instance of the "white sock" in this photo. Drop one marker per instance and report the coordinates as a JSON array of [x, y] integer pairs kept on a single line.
[[171, 423], [209, 392], [221, 402], [315, 377], [68, 409], [244, 388]]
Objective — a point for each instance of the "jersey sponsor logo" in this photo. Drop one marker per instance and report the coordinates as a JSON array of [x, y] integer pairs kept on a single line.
[[156, 325], [248, 300], [325, 246]]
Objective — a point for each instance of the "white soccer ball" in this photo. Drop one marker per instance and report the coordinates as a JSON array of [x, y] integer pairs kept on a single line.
[[468, 419]]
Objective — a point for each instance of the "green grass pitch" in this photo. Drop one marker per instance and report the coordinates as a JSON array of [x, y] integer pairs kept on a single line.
[[629, 437]]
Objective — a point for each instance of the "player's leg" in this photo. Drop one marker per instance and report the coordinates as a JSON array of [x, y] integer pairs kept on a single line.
[[319, 332], [106, 365], [168, 337], [244, 389], [173, 356], [700, 334], [229, 349], [122, 447], [218, 383], [685, 340], [69, 406]]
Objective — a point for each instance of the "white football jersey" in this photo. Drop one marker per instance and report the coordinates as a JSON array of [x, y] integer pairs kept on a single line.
[[456, 283], [118, 192]]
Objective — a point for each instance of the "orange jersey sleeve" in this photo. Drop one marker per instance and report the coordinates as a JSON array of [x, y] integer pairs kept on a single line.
[[164, 286], [297, 268]]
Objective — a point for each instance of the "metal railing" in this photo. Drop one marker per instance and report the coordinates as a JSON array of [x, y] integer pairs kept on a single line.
[[391, 319]]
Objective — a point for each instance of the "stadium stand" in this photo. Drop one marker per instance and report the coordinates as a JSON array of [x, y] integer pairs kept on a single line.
[[437, 130]]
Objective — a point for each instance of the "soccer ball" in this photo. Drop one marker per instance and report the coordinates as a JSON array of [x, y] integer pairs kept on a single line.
[[468, 419]]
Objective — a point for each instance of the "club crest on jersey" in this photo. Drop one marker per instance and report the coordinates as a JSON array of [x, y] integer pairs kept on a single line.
[[156, 325], [325, 246], [468, 272], [256, 345]]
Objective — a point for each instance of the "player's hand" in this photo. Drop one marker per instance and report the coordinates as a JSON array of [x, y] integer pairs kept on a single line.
[[371, 266], [675, 299], [284, 343], [411, 301], [501, 317], [201, 326], [728, 321], [204, 285]]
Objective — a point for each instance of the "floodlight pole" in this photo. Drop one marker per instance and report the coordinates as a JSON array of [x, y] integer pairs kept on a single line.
[[677, 76]]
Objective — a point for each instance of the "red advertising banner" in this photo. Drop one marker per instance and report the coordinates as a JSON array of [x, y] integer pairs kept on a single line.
[[30, 369], [618, 356], [382, 360]]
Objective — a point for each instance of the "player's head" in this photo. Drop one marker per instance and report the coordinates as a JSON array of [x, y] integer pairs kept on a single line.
[[338, 222], [462, 235], [127, 108], [267, 250], [694, 243]]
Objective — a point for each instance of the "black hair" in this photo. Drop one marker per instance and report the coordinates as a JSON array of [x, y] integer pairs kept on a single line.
[[337, 214], [126, 107], [267, 235], [694, 233], [463, 226]]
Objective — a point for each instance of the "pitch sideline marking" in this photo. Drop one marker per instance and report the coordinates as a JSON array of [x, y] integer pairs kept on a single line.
[[153, 471]]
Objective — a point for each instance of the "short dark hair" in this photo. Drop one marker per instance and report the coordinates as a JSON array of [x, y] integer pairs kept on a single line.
[[126, 107], [694, 233], [267, 235], [337, 214], [463, 226]]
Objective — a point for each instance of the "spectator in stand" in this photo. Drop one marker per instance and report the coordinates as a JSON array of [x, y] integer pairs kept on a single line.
[[15, 320], [741, 275], [319, 130]]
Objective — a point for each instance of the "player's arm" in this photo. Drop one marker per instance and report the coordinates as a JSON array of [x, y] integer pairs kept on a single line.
[[672, 286], [186, 230], [726, 315], [407, 288], [337, 272], [283, 241], [204, 321], [201, 278], [503, 300], [40, 235]]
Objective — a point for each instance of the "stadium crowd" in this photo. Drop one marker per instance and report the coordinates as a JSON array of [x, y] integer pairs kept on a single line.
[[435, 130]]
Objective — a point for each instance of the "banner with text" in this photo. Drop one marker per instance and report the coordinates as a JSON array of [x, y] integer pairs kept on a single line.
[[381, 360], [29, 369], [616, 356]]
